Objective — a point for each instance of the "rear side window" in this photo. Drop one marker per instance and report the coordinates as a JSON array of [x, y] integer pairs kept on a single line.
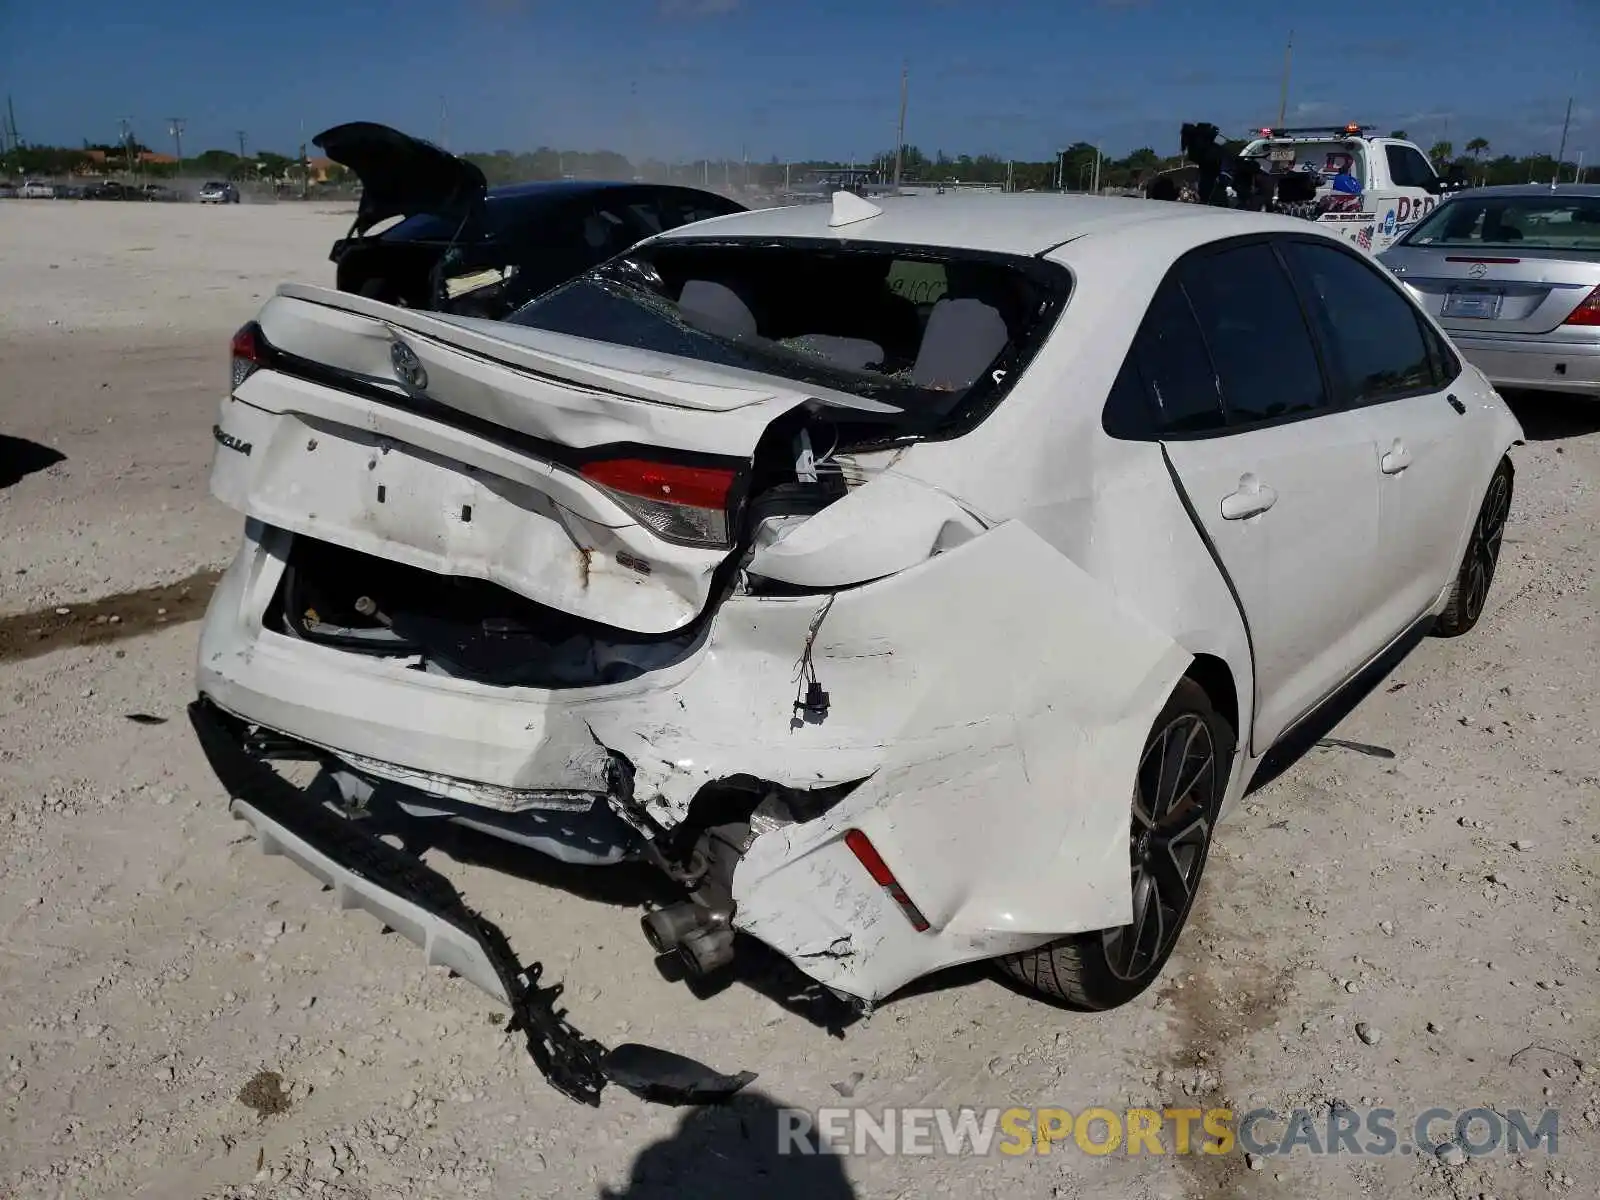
[[648, 214], [1407, 167], [687, 208], [1374, 338], [1176, 367], [1260, 347]]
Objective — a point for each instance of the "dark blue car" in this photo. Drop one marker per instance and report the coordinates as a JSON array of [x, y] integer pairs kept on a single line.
[[463, 247]]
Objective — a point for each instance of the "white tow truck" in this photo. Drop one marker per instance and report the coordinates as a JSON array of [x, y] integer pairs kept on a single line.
[[1369, 190]]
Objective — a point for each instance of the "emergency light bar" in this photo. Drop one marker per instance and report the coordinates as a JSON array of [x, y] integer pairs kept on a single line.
[[1350, 130]]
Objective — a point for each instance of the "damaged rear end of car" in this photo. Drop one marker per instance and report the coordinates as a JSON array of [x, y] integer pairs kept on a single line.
[[650, 572]]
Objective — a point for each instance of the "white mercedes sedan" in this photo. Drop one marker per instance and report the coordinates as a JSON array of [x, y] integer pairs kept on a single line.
[[911, 581]]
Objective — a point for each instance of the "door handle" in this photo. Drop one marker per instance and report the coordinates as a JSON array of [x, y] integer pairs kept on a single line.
[[1397, 460], [1252, 498], [1456, 404]]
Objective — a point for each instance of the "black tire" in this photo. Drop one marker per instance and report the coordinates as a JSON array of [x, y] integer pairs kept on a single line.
[[1109, 967], [1470, 590]]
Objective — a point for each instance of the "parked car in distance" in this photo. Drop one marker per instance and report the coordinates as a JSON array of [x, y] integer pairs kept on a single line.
[[108, 189], [37, 189], [218, 192], [1513, 274], [893, 578], [464, 247]]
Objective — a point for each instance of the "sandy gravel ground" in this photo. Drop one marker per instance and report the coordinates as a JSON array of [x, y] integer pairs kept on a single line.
[[1428, 876]]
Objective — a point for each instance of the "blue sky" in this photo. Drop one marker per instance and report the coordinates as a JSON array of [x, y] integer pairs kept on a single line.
[[690, 78]]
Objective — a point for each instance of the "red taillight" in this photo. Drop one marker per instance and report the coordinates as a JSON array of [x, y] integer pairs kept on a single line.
[[1587, 312], [867, 854], [248, 352], [680, 503]]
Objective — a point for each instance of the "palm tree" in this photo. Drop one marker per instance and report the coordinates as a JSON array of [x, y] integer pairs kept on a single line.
[[1477, 147], [1442, 153]]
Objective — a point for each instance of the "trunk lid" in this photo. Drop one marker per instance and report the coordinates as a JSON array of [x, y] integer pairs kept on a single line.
[[1496, 289], [485, 451], [401, 175]]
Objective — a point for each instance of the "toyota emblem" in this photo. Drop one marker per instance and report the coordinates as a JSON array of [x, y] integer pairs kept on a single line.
[[407, 368], [1478, 270]]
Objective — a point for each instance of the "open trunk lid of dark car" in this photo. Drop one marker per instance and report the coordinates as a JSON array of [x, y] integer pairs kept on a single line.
[[402, 175]]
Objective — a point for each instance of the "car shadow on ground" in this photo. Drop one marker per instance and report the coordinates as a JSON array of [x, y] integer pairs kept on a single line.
[[735, 1149], [20, 458], [1552, 416]]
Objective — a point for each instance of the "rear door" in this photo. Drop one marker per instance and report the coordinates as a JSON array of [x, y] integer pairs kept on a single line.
[[1283, 484], [1389, 366]]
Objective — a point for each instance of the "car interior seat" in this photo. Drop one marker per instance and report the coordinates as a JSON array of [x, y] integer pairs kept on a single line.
[[716, 308], [963, 337]]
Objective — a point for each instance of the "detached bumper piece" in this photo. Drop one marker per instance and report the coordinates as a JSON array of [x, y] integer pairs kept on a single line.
[[413, 899]]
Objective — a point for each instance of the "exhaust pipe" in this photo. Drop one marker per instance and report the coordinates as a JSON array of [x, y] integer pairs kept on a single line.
[[701, 937], [666, 927]]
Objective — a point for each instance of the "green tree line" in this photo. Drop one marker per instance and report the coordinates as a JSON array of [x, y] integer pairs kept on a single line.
[[1073, 169]]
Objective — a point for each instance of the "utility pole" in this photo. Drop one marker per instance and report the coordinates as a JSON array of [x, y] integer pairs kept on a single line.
[[1565, 125], [900, 134], [241, 145], [126, 137], [175, 127], [444, 124], [12, 139], [1283, 92]]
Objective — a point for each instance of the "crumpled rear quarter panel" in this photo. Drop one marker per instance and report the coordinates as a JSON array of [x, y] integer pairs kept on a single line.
[[998, 697]]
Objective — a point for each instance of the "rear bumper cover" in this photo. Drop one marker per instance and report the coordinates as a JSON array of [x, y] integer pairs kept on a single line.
[[1533, 363], [997, 731], [362, 872]]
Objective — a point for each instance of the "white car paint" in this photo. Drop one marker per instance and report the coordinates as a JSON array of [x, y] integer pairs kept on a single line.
[[996, 618]]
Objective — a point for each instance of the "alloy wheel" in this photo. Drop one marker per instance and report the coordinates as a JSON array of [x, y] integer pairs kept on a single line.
[[1484, 552], [1171, 830]]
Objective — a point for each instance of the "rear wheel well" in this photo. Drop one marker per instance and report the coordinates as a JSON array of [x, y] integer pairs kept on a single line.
[[1215, 678]]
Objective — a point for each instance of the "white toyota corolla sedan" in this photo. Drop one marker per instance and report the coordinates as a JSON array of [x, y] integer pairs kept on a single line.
[[912, 582]]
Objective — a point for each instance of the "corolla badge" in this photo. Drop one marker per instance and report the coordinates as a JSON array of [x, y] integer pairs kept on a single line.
[[407, 368]]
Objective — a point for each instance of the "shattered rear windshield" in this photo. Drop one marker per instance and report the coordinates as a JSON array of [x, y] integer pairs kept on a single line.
[[933, 332]]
